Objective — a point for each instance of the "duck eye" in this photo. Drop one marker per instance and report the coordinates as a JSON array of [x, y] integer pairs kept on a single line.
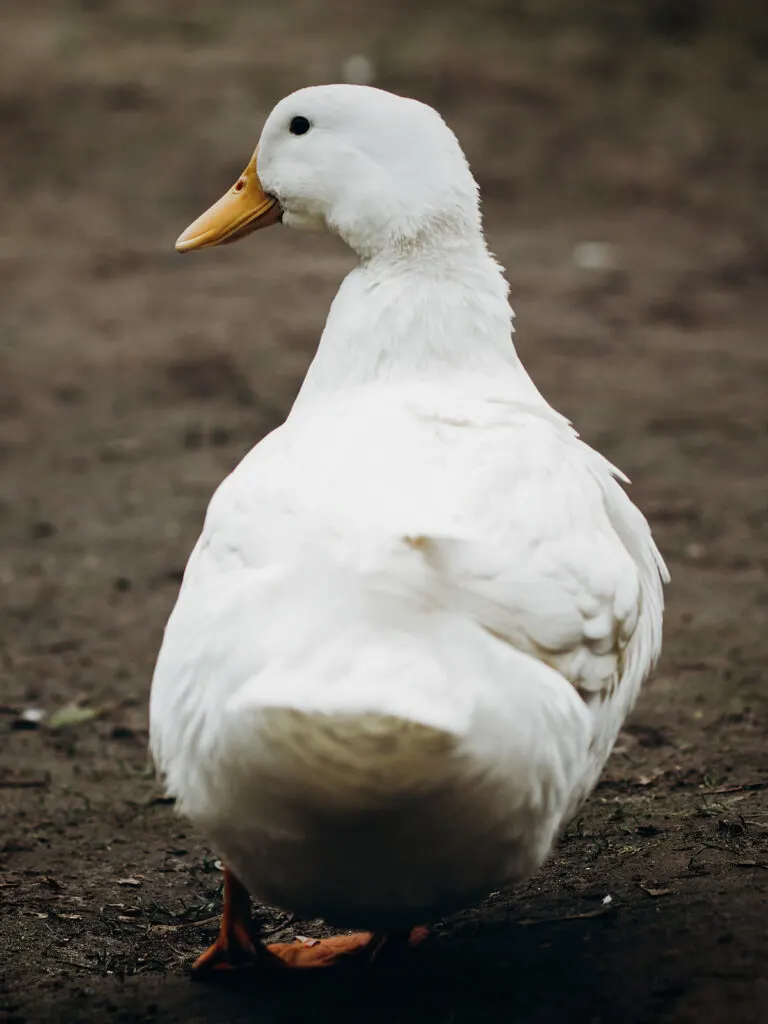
[[299, 126]]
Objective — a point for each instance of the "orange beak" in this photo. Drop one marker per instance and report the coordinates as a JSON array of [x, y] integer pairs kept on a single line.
[[245, 208]]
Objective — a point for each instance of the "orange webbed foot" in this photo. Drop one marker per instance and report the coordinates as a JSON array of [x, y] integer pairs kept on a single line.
[[309, 953], [338, 950], [238, 944]]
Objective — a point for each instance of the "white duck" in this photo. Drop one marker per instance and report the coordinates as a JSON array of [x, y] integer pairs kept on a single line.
[[421, 609]]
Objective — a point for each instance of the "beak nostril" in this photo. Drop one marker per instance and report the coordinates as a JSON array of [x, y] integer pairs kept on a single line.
[[240, 186]]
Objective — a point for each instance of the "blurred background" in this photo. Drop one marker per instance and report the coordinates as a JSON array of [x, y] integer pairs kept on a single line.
[[622, 152]]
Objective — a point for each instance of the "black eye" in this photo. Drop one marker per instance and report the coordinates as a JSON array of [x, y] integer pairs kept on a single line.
[[299, 126]]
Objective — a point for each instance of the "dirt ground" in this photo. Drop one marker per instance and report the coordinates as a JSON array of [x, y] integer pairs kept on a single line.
[[132, 380]]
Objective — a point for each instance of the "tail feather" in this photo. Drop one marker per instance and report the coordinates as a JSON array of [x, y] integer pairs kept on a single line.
[[382, 675], [346, 762]]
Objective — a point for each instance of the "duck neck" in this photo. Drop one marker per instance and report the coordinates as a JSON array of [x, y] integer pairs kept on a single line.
[[417, 313]]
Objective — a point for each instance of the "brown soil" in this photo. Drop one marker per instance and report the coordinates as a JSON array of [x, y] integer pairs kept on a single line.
[[132, 380]]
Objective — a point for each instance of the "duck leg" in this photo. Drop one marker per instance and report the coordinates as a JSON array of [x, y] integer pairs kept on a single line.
[[238, 945]]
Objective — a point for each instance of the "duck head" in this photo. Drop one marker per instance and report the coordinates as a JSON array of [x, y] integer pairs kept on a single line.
[[381, 171]]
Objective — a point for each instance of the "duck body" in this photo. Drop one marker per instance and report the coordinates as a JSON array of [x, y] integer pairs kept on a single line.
[[420, 610], [416, 618]]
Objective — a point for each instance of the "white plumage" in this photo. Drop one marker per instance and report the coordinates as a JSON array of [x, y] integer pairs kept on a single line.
[[420, 610]]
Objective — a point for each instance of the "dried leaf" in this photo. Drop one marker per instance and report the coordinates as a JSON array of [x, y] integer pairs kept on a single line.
[[655, 892], [740, 789], [650, 778], [163, 929], [600, 912], [17, 783], [71, 715], [168, 929]]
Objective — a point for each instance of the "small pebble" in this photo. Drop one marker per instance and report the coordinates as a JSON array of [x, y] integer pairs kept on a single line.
[[694, 551], [595, 256], [29, 718], [358, 70]]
